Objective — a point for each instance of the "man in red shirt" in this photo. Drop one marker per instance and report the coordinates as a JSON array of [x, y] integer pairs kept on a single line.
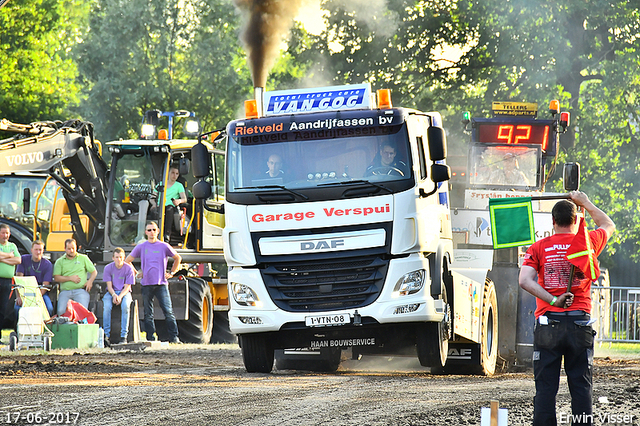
[[563, 327]]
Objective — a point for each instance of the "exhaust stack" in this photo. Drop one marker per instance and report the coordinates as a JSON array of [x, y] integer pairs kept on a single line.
[[258, 93]]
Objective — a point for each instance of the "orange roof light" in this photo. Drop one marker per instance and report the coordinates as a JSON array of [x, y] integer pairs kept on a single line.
[[554, 106], [163, 134], [384, 99], [251, 108]]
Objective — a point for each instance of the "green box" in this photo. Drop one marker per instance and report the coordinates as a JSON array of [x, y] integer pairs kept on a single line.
[[74, 336]]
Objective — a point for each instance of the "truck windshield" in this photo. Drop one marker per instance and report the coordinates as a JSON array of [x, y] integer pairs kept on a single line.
[[320, 159], [134, 195], [505, 166]]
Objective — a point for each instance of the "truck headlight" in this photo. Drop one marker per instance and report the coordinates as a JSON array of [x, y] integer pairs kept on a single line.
[[244, 295], [410, 283]]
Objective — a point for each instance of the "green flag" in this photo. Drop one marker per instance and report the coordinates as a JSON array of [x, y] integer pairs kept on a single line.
[[511, 222]]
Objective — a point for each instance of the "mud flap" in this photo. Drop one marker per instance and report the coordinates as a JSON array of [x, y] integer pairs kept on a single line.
[[463, 354]]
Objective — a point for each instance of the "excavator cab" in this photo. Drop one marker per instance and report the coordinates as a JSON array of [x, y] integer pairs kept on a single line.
[[137, 182]]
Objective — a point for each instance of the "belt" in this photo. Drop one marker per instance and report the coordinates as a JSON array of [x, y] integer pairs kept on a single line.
[[566, 314]]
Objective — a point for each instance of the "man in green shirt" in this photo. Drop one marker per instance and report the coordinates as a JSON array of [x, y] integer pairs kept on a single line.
[[71, 272], [9, 258]]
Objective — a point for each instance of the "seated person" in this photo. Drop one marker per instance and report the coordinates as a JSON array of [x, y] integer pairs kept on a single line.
[[119, 277], [509, 173], [71, 272], [175, 195], [35, 265], [274, 164], [385, 163]]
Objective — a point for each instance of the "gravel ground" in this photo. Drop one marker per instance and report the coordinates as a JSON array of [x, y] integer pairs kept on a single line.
[[207, 385]]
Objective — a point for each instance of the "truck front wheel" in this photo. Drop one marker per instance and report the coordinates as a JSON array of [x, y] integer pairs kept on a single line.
[[432, 338], [432, 342], [257, 353]]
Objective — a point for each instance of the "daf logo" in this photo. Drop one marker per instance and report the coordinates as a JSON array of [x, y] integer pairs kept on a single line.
[[461, 352], [321, 245]]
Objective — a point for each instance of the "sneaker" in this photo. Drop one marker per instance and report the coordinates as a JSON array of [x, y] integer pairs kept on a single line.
[[175, 340], [107, 343]]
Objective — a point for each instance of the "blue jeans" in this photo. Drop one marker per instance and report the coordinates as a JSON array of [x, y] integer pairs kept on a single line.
[[79, 295], [161, 292], [125, 305]]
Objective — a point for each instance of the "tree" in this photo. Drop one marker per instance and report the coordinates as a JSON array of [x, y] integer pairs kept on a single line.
[[161, 54], [583, 53], [37, 74]]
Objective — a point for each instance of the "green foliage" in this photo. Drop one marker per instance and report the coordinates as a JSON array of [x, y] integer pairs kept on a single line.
[[161, 54], [136, 55], [583, 53], [37, 74]]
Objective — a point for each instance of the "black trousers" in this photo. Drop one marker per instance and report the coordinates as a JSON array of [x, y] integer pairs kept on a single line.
[[565, 336], [6, 309], [171, 222]]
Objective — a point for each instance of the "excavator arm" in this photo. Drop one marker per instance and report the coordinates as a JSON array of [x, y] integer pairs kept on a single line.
[[68, 152]]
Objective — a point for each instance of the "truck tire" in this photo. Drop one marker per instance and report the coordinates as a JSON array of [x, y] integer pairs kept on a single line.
[[257, 353], [328, 361], [489, 331], [199, 326], [432, 339], [221, 332]]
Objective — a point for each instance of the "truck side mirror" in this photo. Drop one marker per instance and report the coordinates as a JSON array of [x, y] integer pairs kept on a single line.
[[183, 166], [437, 143], [201, 190], [571, 176], [26, 200], [440, 173], [201, 160]]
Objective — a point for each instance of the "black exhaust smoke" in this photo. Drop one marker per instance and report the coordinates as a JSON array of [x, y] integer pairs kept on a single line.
[[266, 23]]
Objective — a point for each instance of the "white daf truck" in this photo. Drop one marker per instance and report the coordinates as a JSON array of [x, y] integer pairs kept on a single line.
[[338, 235]]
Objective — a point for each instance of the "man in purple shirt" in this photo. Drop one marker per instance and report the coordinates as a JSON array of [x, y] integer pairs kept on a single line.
[[153, 255], [119, 277], [35, 265]]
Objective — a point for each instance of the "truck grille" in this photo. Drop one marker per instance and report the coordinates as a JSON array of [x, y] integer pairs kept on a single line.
[[324, 286]]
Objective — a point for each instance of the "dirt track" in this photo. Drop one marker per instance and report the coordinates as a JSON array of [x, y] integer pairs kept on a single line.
[[207, 385]]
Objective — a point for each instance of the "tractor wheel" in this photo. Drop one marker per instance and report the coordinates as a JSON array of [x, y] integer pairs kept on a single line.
[[221, 332], [199, 326]]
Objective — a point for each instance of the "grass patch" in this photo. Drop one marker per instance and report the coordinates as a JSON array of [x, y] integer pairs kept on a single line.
[[617, 350]]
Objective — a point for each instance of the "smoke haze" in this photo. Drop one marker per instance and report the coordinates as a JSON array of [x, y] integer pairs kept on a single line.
[[266, 23], [374, 13]]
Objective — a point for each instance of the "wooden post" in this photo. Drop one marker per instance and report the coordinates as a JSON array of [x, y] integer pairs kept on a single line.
[[134, 323], [494, 412]]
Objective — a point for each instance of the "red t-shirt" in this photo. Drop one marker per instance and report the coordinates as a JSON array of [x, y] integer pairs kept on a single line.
[[548, 258]]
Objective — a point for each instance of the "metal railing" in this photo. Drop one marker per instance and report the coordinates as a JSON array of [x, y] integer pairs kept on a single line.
[[617, 310]]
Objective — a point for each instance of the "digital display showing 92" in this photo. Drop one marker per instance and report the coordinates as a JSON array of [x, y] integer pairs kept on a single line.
[[514, 133]]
